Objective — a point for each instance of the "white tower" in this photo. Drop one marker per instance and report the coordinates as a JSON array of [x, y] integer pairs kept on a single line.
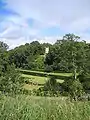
[[46, 52]]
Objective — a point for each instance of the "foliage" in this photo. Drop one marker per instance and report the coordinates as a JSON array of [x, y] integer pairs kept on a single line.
[[68, 55], [71, 55], [3, 46], [51, 87], [3, 57], [48, 68], [84, 78], [28, 56], [40, 62], [74, 88], [10, 81]]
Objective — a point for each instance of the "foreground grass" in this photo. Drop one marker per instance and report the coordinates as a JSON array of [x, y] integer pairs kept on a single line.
[[41, 108]]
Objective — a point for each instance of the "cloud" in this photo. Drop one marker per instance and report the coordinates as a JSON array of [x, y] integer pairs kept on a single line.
[[34, 16], [15, 28], [15, 31], [80, 25], [53, 12]]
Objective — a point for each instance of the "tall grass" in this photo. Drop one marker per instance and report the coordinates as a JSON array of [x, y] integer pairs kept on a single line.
[[40, 108]]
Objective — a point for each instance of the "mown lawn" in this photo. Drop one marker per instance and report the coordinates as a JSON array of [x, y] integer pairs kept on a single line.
[[46, 73], [36, 81], [24, 107], [39, 80]]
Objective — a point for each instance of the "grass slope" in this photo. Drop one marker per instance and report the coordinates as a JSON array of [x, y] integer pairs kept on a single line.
[[36, 81], [41, 108], [39, 80], [43, 74]]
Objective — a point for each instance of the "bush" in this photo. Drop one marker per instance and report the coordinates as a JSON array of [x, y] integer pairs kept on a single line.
[[26, 92], [48, 68], [11, 81], [85, 97], [51, 88], [84, 78], [74, 88]]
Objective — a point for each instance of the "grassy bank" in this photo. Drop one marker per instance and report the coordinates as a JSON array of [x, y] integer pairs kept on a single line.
[[35, 82], [39, 80], [41, 108], [45, 74]]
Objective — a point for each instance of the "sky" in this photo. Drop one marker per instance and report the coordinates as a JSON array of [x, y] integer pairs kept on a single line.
[[22, 21]]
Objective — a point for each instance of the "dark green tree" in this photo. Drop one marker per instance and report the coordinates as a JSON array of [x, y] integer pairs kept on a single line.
[[11, 81], [68, 55]]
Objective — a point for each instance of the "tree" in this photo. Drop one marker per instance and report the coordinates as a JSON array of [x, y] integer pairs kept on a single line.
[[76, 89], [3, 46], [3, 57], [71, 40], [52, 87], [71, 37], [27, 56], [68, 55], [73, 88], [11, 81]]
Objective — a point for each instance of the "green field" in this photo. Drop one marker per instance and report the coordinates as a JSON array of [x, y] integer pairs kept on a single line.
[[39, 73], [24, 107], [36, 81], [39, 80], [60, 74]]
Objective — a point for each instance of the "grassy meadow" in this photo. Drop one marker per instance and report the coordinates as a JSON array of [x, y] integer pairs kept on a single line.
[[45, 74], [50, 73], [35, 79], [40, 108], [35, 82]]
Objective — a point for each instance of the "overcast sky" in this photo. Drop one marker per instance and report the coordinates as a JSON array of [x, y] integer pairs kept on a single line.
[[22, 21]]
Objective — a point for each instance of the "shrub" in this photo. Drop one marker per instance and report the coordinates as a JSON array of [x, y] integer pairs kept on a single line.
[[11, 81], [48, 68], [85, 97], [85, 80], [51, 87], [74, 88]]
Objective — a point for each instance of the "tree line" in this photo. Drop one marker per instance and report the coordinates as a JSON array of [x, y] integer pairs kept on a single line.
[[69, 54]]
